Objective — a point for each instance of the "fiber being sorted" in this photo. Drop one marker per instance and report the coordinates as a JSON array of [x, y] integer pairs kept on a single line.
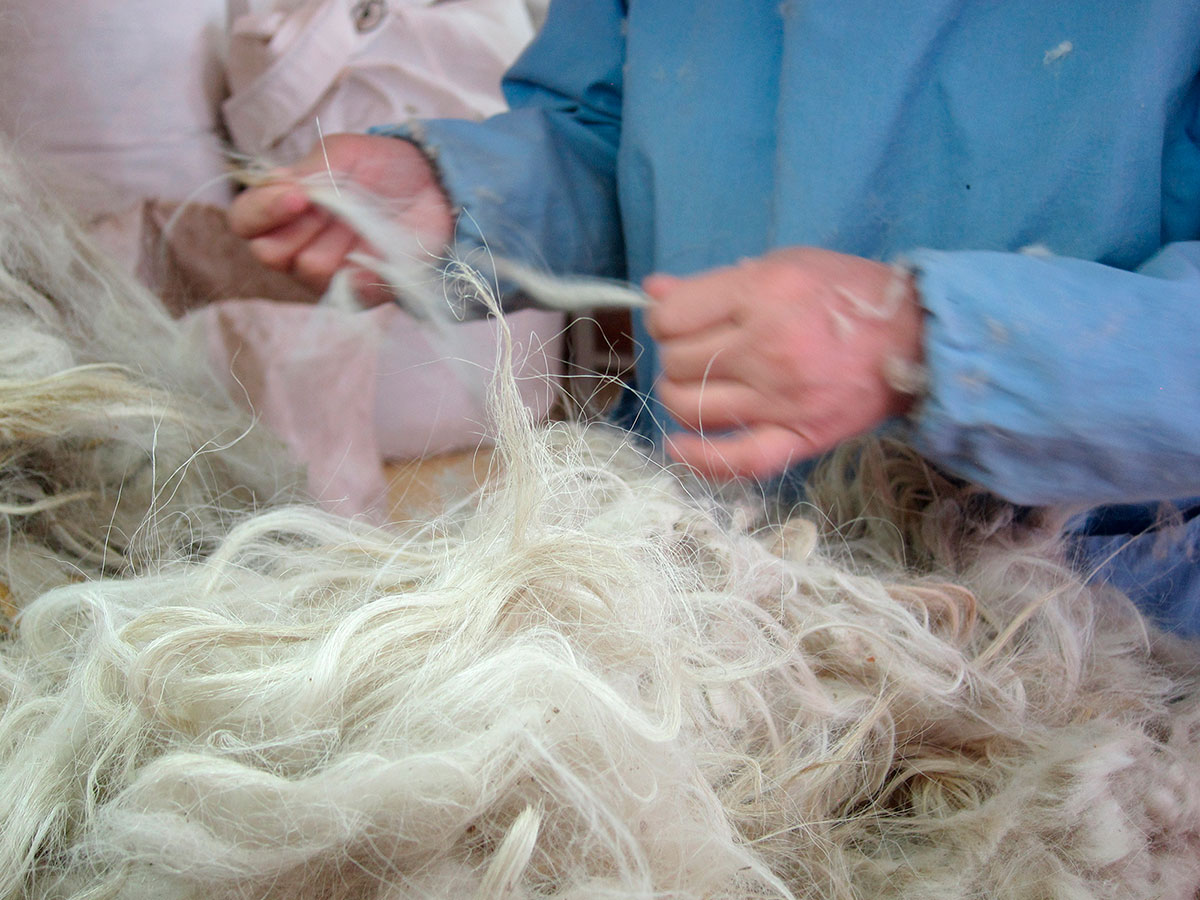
[[593, 681], [119, 450]]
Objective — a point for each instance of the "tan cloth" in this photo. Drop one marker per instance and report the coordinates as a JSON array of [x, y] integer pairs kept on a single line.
[[357, 63], [310, 373], [188, 256], [116, 99]]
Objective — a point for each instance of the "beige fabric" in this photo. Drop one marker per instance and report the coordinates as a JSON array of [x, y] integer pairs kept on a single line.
[[309, 372], [355, 63], [188, 256], [115, 99]]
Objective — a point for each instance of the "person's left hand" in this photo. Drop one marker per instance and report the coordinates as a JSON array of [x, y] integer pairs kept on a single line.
[[788, 354]]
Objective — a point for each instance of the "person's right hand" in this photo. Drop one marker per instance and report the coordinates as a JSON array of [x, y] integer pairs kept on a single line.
[[288, 232]]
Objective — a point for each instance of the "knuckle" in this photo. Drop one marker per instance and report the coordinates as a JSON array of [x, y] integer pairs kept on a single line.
[[656, 320], [669, 393], [313, 268], [243, 216], [271, 254], [670, 358]]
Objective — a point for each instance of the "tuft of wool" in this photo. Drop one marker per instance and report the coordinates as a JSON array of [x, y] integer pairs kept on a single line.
[[118, 448], [594, 680]]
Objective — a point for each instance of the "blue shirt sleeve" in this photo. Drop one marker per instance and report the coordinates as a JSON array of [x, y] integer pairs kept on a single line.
[[1055, 380]]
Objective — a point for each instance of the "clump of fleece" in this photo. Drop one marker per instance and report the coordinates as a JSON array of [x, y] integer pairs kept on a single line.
[[118, 447], [595, 680]]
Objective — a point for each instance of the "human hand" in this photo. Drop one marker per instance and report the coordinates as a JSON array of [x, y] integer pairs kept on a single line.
[[793, 351], [288, 232]]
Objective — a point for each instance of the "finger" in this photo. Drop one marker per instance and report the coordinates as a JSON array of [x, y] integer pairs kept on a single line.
[[277, 249], [660, 284], [711, 404], [370, 289], [316, 263], [758, 453], [707, 354], [263, 209], [692, 304]]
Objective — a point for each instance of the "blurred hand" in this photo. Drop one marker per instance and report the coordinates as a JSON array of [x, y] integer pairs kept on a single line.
[[289, 233], [789, 354]]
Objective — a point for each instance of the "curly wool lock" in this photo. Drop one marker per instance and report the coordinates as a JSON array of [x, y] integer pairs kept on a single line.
[[594, 681]]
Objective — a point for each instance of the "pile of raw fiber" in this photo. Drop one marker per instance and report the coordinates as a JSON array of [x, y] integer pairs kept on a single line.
[[592, 681], [118, 448]]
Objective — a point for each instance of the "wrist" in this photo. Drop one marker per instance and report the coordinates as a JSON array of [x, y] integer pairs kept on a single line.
[[903, 368]]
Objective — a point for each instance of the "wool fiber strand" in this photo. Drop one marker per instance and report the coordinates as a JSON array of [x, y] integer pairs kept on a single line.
[[596, 680]]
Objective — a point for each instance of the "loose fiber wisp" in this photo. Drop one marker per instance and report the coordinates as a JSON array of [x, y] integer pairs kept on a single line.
[[593, 681]]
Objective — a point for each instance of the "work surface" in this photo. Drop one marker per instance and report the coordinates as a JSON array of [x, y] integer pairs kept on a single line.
[[422, 488]]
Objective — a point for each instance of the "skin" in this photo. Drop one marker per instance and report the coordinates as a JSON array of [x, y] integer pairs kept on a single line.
[[288, 233], [775, 359], [786, 355]]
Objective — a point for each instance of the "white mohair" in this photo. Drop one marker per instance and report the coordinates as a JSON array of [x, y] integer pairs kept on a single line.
[[118, 448], [592, 682]]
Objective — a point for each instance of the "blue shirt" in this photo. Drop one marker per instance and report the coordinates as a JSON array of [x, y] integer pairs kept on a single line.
[[1036, 163]]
